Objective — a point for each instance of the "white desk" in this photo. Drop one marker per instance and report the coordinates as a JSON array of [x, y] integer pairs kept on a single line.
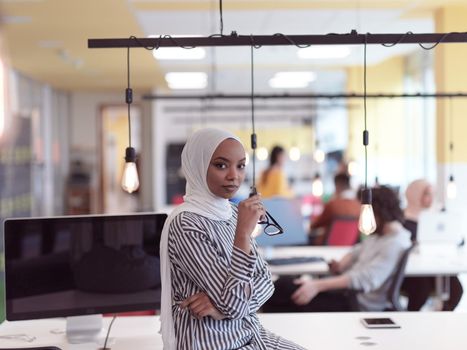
[[427, 331], [426, 260]]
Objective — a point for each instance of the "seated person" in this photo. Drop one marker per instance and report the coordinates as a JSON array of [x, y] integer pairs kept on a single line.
[[369, 268], [342, 204], [419, 196]]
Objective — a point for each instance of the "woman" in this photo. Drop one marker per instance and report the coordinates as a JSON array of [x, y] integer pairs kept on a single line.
[[213, 280], [419, 196], [273, 181], [367, 268]]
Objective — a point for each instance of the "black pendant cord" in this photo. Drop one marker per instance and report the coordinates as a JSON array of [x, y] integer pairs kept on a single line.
[[451, 142], [221, 18], [128, 95], [365, 131], [253, 135]]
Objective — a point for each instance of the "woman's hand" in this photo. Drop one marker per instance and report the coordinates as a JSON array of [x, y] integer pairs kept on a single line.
[[249, 212], [334, 267], [201, 306], [306, 292]]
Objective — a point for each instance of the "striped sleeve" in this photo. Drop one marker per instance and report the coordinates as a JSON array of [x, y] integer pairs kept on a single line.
[[262, 285], [196, 255]]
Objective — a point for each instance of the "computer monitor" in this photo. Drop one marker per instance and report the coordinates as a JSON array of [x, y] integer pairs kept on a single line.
[[445, 227], [82, 265], [287, 212]]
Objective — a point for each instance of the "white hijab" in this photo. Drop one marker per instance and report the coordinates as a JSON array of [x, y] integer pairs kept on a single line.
[[196, 157]]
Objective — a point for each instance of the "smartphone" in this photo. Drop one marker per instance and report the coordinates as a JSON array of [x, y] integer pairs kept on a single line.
[[375, 322]]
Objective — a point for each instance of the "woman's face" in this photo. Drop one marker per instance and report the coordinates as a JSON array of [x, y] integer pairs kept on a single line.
[[226, 170], [427, 197]]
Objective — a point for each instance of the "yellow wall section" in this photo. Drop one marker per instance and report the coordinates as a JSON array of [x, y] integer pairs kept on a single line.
[[385, 117], [302, 137], [451, 76]]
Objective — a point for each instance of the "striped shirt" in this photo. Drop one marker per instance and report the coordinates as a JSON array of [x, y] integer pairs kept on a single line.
[[204, 259]]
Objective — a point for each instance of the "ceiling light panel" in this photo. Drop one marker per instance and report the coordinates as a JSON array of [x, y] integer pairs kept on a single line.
[[186, 80]]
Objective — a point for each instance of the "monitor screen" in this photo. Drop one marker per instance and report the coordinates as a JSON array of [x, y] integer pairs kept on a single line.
[[287, 212], [81, 265]]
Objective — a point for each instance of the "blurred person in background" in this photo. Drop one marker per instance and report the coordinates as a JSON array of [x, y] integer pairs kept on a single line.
[[273, 180], [419, 196], [368, 268], [342, 204]]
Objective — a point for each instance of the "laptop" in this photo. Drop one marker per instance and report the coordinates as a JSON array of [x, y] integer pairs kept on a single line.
[[440, 227], [287, 212]]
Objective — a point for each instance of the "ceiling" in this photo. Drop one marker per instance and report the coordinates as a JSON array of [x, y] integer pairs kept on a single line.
[[47, 39]]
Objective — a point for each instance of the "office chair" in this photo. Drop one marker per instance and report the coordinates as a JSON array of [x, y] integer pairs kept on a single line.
[[394, 288], [393, 293], [343, 232]]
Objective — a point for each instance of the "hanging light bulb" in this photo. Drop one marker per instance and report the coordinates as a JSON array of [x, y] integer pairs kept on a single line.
[[319, 155], [130, 181], [262, 153], [451, 190], [294, 153], [366, 221], [317, 186], [352, 168]]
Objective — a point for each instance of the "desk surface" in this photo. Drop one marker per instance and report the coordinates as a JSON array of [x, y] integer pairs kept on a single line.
[[427, 331], [426, 260]]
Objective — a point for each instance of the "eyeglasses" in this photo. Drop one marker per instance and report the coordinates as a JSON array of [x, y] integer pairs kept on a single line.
[[271, 227]]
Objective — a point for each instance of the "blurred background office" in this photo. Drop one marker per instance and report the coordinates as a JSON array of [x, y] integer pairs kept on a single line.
[[64, 123]]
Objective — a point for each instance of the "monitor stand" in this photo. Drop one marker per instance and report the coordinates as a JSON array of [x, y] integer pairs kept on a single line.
[[83, 329]]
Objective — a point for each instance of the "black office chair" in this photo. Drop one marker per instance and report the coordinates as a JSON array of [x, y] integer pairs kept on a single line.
[[395, 287], [393, 294]]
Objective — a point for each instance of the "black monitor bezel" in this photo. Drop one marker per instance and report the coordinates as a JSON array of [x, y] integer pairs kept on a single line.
[[15, 316]]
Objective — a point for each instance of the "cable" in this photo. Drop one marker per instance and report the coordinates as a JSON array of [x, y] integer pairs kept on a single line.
[[451, 138], [128, 95], [221, 18], [365, 131], [253, 135], [108, 332]]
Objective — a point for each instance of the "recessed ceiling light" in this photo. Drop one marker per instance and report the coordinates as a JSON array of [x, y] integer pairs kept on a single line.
[[186, 80], [324, 52], [291, 80], [177, 53]]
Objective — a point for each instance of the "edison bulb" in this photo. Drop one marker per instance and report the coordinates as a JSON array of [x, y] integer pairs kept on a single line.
[[130, 181], [294, 154], [451, 189], [366, 221], [319, 156], [262, 153], [317, 187]]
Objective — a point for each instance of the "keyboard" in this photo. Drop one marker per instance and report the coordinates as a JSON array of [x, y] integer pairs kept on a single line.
[[295, 260]]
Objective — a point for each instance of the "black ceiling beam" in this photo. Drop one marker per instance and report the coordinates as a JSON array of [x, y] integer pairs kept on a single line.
[[352, 38], [301, 96]]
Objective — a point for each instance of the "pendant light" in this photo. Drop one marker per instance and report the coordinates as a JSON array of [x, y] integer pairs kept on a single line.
[[317, 186], [451, 189], [130, 181], [366, 221], [270, 226]]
